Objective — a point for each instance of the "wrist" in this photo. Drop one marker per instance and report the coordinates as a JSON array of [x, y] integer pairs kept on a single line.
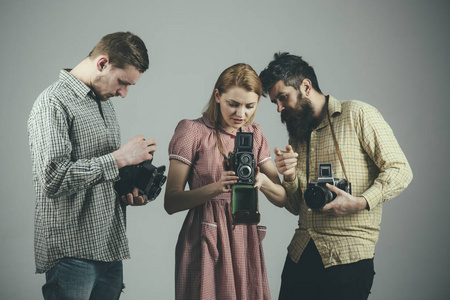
[[289, 178], [120, 160], [364, 205]]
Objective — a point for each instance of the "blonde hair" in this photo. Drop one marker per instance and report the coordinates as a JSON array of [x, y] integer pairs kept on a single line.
[[239, 75]]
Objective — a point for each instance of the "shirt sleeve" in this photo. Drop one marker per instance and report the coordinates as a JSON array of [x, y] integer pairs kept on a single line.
[[184, 143], [294, 196], [51, 148], [380, 144], [293, 189]]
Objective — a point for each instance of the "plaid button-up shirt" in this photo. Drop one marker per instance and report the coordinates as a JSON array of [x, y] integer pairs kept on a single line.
[[377, 169], [77, 213]]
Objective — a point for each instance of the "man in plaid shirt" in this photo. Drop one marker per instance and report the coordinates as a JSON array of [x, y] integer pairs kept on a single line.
[[331, 253], [74, 140]]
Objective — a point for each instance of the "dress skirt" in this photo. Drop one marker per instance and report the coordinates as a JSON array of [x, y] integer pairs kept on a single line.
[[216, 260]]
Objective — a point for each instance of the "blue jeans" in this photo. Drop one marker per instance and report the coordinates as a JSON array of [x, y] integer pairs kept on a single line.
[[79, 279]]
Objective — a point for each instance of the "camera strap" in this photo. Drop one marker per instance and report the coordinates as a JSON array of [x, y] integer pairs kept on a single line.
[[308, 141], [219, 145], [336, 145]]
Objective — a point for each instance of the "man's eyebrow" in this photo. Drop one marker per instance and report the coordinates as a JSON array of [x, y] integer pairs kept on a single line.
[[274, 100], [126, 82]]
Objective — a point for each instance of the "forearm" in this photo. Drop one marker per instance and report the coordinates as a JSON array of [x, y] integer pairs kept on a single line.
[[176, 201], [275, 193]]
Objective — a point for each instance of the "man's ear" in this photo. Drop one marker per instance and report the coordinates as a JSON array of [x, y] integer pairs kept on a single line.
[[102, 62], [306, 87]]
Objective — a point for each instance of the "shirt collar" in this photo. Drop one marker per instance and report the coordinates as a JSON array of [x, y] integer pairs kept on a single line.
[[334, 107], [81, 89]]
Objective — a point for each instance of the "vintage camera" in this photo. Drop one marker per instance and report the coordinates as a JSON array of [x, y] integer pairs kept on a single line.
[[244, 196], [243, 158], [317, 195], [144, 176]]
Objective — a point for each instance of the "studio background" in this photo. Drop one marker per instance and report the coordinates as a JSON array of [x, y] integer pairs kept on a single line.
[[390, 54]]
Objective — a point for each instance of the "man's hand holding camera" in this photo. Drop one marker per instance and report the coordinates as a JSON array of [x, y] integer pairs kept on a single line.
[[286, 162], [134, 199], [135, 151], [344, 203]]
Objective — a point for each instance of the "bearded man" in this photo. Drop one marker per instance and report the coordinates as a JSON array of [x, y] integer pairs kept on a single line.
[[331, 253]]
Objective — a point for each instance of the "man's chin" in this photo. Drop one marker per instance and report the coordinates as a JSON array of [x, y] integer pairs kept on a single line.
[[105, 97]]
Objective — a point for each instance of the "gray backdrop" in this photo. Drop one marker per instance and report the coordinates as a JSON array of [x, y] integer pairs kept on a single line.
[[391, 54]]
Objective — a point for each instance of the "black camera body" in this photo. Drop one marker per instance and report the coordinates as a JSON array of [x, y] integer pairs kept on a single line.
[[144, 176], [244, 196], [243, 158], [317, 195]]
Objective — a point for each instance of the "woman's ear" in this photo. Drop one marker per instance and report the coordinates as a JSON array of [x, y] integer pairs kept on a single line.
[[217, 95]]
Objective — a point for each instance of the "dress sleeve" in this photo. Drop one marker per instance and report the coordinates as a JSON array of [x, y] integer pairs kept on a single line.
[[184, 143], [261, 146]]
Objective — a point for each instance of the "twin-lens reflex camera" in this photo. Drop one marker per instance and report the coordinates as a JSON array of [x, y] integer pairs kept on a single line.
[[244, 196]]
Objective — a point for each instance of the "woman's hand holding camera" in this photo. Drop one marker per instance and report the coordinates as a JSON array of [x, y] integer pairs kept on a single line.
[[225, 182], [286, 162], [260, 178]]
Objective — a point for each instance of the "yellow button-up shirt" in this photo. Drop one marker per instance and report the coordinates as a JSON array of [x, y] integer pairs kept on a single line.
[[376, 167]]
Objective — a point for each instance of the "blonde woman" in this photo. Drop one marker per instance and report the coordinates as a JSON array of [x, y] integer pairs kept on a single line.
[[213, 259]]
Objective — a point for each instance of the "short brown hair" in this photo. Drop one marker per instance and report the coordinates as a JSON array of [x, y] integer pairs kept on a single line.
[[123, 49], [239, 75]]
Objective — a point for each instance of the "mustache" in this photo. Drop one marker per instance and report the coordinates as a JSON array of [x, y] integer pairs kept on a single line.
[[298, 121]]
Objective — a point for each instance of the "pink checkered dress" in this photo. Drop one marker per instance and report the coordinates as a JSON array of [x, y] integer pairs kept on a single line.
[[213, 261]]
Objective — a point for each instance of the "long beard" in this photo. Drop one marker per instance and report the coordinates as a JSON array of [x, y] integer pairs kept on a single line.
[[299, 119]]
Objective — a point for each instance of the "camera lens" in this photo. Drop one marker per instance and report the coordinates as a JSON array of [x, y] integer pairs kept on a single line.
[[317, 196], [244, 172]]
